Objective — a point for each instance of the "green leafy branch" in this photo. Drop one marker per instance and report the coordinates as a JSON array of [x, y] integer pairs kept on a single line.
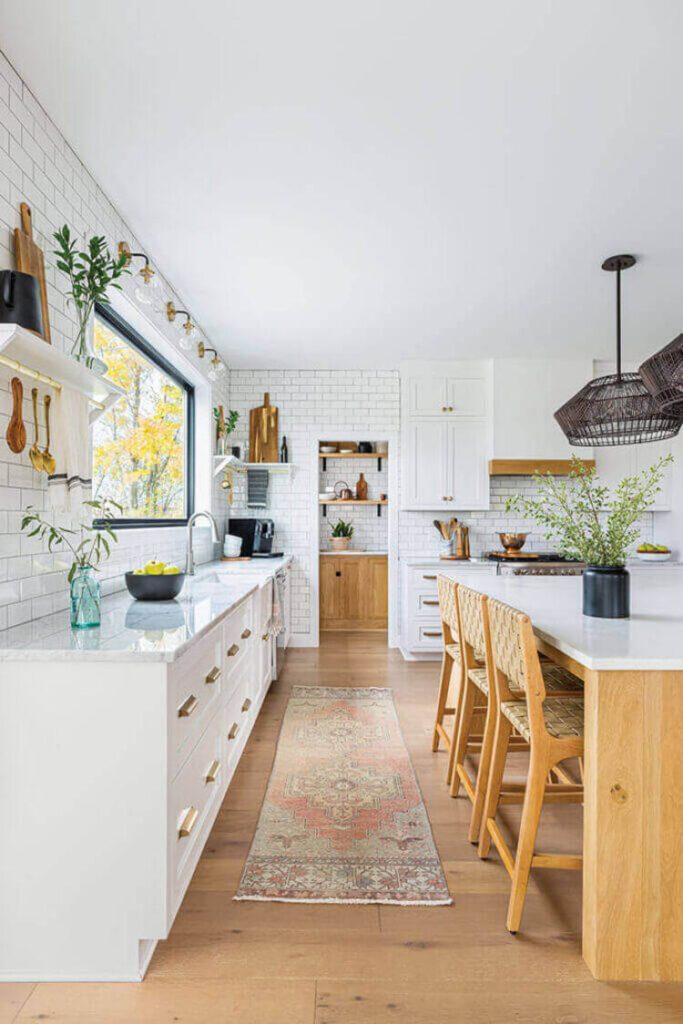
[[584, 518], [90, 272], [229, 423], [94, 544]]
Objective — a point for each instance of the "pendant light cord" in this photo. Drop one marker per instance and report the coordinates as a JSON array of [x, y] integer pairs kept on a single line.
[[619, 325]]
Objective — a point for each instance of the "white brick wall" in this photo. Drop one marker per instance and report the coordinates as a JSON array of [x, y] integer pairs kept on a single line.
[[37, 166]]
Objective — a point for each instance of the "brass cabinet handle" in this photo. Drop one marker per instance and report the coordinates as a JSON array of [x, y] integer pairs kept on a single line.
[[246, 633], [429, 577], [264, 636], [188, 822], [246, 705], [234, 729], [430, 602], [431, 634], [213, 675], [213, 771], [188, 706], [232, 650]]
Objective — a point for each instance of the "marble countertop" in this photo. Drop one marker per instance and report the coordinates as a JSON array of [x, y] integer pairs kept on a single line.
[[652, 638], [142, 630]]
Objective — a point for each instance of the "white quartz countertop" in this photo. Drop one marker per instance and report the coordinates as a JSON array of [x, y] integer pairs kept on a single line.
[[142, 630], [652, 638]]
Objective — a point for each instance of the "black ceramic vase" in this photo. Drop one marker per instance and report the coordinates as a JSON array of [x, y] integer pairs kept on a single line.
[[606, 592]]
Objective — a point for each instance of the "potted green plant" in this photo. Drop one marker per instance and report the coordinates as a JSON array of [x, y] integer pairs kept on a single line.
[[88, 546], [224, 426], [589, 522], [341, 535], [91, 273]]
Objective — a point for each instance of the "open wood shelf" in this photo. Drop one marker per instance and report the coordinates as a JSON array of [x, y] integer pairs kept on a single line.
[[221, 462], [324, 456], [527, 467], [353, 501]]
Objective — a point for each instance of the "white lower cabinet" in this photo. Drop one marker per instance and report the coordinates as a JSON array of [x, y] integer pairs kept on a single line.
[[112, 773], [421, 634]]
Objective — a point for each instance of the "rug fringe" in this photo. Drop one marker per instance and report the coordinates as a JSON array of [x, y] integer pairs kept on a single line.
[[384, 903]]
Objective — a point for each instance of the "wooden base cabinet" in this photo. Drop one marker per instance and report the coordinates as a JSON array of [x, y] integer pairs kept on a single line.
[[111, 775], [353, 592]]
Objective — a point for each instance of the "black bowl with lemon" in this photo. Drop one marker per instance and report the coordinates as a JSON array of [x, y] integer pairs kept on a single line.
[[155, 582]]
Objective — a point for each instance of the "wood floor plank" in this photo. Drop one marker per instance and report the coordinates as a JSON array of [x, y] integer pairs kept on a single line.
[[13, 995]]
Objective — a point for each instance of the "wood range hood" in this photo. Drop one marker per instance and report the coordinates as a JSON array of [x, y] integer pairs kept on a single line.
[[527, 467]]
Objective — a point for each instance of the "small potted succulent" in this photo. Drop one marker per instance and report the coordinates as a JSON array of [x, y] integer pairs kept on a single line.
[[589, 522], [341, 535]]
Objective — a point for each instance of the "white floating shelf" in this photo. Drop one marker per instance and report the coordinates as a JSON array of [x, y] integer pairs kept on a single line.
[[221, 462], [30, 356]]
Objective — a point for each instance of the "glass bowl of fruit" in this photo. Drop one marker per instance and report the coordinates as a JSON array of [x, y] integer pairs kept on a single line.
[[156, 581], [653, 553]]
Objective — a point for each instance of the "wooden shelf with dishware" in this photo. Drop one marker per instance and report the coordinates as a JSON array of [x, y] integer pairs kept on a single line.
[[337, 502], [324, 456], [30, 356]]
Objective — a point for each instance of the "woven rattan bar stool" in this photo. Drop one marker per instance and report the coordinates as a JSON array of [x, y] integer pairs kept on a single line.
[[446, 589], [553, 728]]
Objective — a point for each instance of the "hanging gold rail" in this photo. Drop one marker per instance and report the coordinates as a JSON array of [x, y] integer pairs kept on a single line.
[[43, 378]]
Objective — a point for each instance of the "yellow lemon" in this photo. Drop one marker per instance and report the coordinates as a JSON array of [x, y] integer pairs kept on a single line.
[[171, 570], [155, 568]]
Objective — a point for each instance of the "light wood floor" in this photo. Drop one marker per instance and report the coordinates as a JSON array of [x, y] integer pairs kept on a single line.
[[270, 963]]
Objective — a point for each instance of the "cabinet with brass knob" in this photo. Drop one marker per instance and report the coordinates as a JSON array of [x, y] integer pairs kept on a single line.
[[353, 592]]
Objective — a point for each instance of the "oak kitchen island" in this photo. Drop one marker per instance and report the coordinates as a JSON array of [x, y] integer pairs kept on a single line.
[[117, 746], [633, 772]]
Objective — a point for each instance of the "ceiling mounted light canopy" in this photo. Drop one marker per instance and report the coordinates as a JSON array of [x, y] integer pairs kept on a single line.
[[615, 409], [662, 375]]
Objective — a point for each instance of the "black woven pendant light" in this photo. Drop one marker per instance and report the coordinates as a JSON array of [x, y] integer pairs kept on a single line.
[[618, 408], [662, 375]]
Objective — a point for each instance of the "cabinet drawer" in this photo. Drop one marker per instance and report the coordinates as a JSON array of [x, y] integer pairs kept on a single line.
[[423, 581], [238, 641], [265, 606], [194, 795], [196, 687], [424, 603], [238, 715]]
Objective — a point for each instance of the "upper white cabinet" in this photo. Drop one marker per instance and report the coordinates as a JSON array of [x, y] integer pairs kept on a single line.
[[446, 431], [527, 392]]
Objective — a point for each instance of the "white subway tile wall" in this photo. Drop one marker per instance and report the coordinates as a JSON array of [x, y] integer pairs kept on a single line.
[[38, 166], [370, 531]]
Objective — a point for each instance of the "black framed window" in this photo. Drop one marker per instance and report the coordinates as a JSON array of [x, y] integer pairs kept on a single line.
[[143, 447]]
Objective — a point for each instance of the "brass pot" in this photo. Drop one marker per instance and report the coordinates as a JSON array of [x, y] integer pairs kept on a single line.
[[513, 541]]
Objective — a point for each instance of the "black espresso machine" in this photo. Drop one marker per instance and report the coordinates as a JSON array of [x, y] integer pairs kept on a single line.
[[257, 537]]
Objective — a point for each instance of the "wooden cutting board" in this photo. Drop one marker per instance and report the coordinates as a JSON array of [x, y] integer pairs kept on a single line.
[[263, 432], [29, 260]]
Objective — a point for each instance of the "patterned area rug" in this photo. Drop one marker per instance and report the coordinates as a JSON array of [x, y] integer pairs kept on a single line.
[[343, 820]]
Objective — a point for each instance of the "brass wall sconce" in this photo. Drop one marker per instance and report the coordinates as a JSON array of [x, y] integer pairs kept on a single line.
[[147, 284], [188, 328], [217, 366]]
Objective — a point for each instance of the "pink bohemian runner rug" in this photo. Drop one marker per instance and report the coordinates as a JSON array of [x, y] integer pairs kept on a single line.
[[343, 820]]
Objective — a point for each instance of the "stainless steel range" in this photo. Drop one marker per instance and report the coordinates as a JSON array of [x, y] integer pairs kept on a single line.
[[536, 563]]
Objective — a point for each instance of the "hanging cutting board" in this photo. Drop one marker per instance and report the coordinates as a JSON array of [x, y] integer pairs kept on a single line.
[[263, 432], [29, 260]]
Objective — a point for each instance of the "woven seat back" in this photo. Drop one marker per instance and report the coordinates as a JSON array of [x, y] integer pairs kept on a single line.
[[446, 589], [514, 650], [472, 617]]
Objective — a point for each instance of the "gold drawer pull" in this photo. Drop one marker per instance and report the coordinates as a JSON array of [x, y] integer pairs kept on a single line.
[[188, 822], [246, 705], [430, 602], [429, 577], [188, 706], [213, 771], [264, 636], [234, 729], [213, 675], [246, 633], [232, 650], [431, 634]]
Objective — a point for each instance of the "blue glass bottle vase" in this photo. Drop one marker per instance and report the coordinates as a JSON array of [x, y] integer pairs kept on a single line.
[[85, 599]]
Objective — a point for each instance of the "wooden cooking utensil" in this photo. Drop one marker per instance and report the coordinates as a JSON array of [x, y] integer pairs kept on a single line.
[[35, 454], [16, 431], [29, 260], [263, 432], [49, 461]]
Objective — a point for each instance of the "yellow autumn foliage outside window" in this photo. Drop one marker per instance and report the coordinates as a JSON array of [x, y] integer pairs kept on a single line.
[[139, 453]]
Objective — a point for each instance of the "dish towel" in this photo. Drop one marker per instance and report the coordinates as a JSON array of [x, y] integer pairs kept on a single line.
[[277, 624], [257, 488], [71, 483]]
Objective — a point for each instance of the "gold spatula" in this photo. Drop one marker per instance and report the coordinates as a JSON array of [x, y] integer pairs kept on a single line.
[[35, 454], [49, 462]]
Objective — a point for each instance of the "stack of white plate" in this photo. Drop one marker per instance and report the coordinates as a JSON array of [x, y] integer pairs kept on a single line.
[[232, 546]]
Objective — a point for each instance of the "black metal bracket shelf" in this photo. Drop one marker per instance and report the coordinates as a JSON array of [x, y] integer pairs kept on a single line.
[[379, 463], [379, 509]]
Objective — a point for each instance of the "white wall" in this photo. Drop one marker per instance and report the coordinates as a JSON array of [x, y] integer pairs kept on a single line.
[[38, 166]]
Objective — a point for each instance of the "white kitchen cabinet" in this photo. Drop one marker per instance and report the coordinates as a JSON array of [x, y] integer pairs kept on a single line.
[[446, 432], [421, 635]]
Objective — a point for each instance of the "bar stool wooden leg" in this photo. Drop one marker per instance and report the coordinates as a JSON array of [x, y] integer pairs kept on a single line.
[[531, 816], [444, 684], [464, 726], [483, 773], [501, 742]]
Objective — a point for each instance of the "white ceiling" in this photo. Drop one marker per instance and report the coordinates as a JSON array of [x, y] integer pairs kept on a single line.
[[351, 184]]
